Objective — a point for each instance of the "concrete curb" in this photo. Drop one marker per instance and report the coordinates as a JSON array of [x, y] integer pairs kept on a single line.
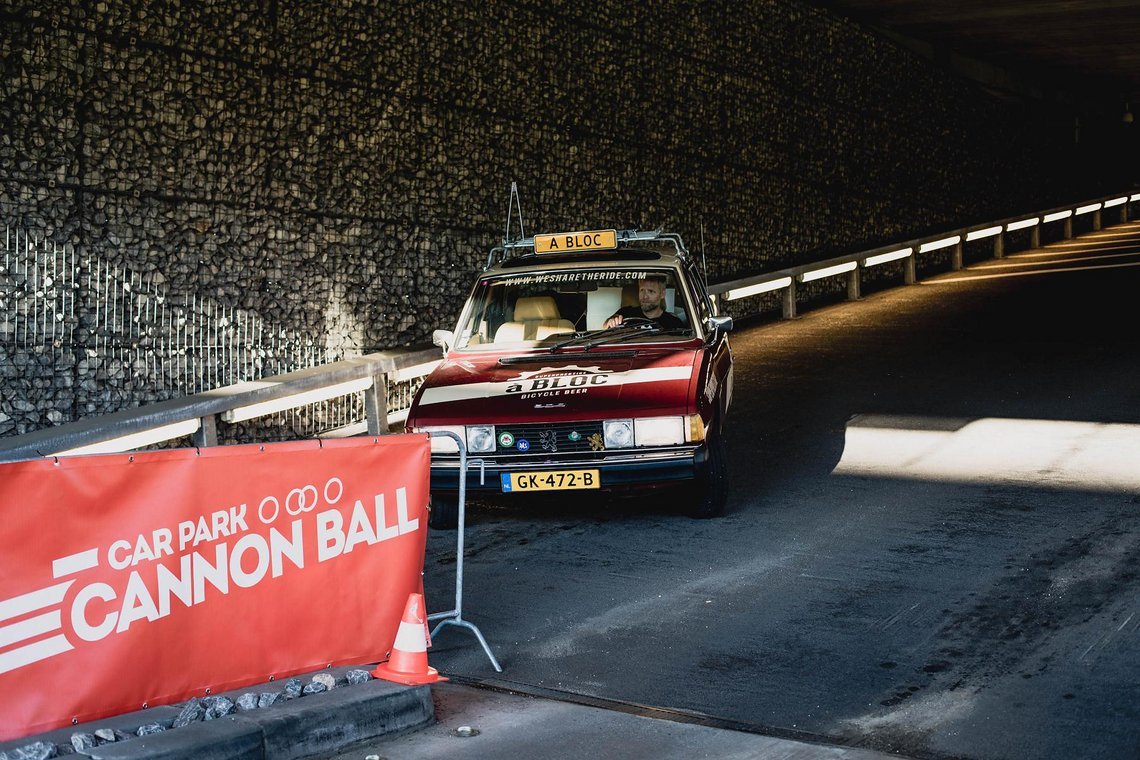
[[342, 717], [314, 724]]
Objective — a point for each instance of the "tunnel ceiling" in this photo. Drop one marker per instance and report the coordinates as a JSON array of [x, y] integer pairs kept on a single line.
[[1060, 43]]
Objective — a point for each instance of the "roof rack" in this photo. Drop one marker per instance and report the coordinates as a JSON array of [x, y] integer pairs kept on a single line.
[[524, 247]]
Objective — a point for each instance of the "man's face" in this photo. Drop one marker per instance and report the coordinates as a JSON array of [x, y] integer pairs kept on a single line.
[[651, 293]]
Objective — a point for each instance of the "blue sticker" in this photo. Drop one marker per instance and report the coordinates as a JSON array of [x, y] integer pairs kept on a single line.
[[523, 444], [506, 479]]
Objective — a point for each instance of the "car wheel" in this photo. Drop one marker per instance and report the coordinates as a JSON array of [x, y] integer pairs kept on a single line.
[[444, 512], [710, 489]]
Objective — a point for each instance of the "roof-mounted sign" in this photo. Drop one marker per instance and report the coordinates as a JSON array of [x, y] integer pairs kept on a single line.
[[568, 242]]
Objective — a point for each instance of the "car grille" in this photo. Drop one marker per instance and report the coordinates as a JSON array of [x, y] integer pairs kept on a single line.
[[550, 438]]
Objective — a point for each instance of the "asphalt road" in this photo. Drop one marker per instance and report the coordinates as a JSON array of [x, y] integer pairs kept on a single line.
[[932, 539]]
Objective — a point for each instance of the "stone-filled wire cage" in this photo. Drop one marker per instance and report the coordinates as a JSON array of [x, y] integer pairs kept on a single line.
[[77, 332]]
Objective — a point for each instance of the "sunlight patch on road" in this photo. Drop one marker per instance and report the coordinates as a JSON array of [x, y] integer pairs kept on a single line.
[[1091, 456], [1113, 234], [920, 715], [1015, 264], [1035, 272], [1050, 253]]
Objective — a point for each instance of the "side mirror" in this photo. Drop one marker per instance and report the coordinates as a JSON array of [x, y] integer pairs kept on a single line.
[[445, 338], [719, 325]]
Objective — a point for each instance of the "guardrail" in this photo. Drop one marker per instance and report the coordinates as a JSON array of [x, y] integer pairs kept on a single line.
[[852, 264], [196, 415]]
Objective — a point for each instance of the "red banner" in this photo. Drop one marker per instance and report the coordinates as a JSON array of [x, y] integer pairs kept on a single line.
[[146, 578]]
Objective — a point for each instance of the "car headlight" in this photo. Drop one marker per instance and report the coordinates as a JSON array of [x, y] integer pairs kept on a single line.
[[696, 428], [442, 444], [659, 431], [617, 434], [480, 439]]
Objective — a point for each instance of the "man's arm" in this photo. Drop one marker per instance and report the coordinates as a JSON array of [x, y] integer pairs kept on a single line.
[[617, 317]]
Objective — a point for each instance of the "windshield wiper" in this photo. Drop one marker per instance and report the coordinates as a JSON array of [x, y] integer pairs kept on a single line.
[[609, 332], [645, 329], [616, 334], [544, 358]]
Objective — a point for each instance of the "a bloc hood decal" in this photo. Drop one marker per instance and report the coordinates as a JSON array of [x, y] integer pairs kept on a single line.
[[573, 384]]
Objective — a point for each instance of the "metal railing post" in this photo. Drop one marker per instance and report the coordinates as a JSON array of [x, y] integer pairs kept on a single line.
[[1096, 220], [1068, 233], [207, 433], [853, 285], [956, 256], [909, 274], [376, 405], [790, 300], [1035, 236], [455, 616], [999, 245]]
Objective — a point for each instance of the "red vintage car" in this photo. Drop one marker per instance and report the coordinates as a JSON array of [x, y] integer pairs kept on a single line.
[[584, 360]]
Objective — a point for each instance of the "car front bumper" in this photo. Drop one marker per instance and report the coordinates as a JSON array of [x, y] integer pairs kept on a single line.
[[619, 469]]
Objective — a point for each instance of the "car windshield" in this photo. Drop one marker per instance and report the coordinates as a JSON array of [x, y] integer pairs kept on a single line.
[[544, 309]]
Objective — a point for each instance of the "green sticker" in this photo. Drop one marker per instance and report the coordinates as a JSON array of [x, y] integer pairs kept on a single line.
[[506, 440], [574, 435]]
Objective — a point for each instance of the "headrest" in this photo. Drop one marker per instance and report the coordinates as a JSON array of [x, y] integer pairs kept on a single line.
[[630, 296], [510, 332], [536, 307]]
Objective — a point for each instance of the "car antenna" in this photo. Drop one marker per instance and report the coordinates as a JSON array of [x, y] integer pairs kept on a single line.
[[513, 204], [704, 263]]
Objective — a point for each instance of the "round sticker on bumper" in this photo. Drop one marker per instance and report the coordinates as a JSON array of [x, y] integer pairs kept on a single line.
[[506, 440], [523, 444]]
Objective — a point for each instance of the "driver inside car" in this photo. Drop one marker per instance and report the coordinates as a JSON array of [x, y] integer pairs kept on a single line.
[[651, 306]]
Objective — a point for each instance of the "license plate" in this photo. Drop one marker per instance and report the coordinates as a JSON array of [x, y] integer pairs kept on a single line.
[[550, 480]]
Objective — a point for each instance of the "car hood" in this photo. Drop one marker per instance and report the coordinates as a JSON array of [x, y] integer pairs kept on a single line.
[[571, 386]]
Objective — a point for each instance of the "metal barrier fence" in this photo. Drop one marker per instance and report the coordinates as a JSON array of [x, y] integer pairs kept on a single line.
[[39, 295], [851, 265], [454, 616], [197, 415]]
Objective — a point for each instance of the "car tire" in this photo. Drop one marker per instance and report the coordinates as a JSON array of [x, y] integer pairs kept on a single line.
[[710, 488], [443, 512]]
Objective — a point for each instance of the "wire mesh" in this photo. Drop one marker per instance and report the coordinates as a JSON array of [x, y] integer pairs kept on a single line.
[[151, 345]]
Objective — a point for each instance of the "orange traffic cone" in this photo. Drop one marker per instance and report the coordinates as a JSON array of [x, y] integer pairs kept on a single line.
[[407, 664]]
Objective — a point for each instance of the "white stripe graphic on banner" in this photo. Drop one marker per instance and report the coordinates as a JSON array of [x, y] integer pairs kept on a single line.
[[31, 628], [75, 563], [32, 601], [41, 650]]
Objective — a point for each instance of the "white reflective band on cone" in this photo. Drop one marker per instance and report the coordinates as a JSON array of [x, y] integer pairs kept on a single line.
[[410, 638]]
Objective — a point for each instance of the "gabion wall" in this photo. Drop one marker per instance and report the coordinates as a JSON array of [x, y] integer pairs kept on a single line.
[[340, 170]]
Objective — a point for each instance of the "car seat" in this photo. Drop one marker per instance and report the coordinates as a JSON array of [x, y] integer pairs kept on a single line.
[[531, 314]]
